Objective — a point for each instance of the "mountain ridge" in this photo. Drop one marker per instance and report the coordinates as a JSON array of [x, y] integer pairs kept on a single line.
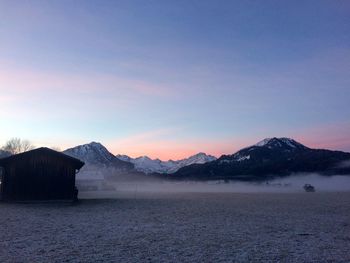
[[95, 153], [267, 158], [271, 156], [148, 165]]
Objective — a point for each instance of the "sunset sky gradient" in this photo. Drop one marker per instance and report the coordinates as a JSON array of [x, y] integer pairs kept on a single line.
[[169, 79]]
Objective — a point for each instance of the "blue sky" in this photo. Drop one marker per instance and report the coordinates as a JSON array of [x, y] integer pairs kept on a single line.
[[171, 78]]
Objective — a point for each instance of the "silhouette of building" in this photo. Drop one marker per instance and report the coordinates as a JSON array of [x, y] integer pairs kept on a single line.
[[40, 174]]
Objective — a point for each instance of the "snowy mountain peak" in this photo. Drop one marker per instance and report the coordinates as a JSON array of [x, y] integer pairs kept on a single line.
[[199, 158], [279, 142], [263, 142], [95, 153], [275, 146], [200, 154], [144, 158], [89, 146], [94, 143]]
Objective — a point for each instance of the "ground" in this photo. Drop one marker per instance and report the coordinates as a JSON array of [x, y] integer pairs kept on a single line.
[[178, 227]]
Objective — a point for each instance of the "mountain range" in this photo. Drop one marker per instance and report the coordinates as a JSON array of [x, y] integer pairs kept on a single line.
[[148, 165], [268, 158], [97, 159]]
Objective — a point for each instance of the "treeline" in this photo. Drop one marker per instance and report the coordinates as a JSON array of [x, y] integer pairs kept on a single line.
[[17, 145]]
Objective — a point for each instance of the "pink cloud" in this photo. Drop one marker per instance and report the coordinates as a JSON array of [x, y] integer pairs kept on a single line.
[[17, 80], [55, 94]]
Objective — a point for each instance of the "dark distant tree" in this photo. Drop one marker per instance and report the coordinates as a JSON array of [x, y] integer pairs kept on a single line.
[[17, 145]]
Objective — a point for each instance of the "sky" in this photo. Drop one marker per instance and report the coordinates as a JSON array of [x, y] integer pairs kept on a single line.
[[169, 79]]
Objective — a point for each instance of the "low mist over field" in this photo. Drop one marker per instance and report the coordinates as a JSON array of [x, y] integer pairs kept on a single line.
[[293, 184]]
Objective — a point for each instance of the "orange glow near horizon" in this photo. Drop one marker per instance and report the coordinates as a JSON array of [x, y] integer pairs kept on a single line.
[[332, 137], [177, 151], [174, 150], [156, 143]]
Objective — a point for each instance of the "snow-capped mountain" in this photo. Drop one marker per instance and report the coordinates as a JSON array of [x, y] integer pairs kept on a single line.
[[283, 142], [99, 162], [266, 149], [271, 156], [199, 158], [95, 153], [148, 165], [96, 156]]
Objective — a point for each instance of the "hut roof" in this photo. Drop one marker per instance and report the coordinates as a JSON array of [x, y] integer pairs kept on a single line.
[[44, 151]]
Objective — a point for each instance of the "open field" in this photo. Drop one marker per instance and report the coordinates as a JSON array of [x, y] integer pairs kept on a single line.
[[181, 227]]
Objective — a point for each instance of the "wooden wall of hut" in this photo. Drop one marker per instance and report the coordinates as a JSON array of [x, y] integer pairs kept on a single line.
[[39, 176]]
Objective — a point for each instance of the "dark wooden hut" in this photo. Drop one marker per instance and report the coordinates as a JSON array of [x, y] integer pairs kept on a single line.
[[40, 174]]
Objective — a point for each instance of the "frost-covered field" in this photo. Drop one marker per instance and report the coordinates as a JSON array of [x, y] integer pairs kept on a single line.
[[181, 227]]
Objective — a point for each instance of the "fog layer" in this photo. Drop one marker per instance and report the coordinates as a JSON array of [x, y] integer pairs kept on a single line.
[[112, 186]]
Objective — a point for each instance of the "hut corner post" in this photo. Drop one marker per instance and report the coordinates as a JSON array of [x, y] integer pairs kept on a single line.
[[76, 190]]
